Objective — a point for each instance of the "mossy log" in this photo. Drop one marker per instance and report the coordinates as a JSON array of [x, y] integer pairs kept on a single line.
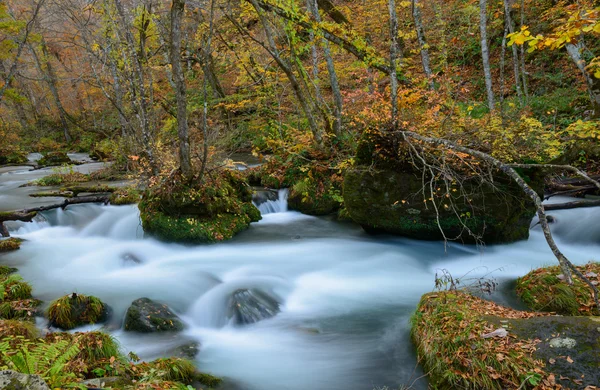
[[27, 215]]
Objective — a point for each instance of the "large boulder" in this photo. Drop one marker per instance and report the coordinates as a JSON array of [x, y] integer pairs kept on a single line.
[[75, 310], [387, 193], [12, 380], [251, 305], [146, 316]]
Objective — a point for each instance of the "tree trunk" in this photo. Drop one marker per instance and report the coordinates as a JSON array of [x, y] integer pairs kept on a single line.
[[333, 79], [592, 83], [425, 60], [287, 69], [393, 59], [47, 72], [12, 70], [177, 10], [485, 54], [515, 52], [138, 88]]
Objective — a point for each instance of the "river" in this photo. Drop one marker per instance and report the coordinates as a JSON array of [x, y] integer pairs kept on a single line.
[[347, 297]]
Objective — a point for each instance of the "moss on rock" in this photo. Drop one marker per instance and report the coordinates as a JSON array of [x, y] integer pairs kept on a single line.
[[145, 315], [447, 330], [124, 196], [75, 310], [54, 158], [385, 192], [544, 290], [13, 328], [315, 189], [10, 244], [16, 301], [214, 210], [13, 158]]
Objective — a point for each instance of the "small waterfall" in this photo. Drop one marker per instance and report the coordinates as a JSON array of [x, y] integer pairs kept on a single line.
[[268, 206]]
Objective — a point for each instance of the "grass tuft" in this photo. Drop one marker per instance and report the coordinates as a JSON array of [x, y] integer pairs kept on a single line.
[[543, 290]]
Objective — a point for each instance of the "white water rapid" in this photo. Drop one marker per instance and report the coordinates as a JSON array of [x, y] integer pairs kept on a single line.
[[346, 296]]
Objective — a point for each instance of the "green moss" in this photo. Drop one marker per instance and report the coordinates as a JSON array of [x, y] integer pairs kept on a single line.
[[208, 380], [4, 270], [542, 290], [10, 244], [12, 288], [215, 210], [193, 229], [447, 329], [75, 310], [126, 195], [14, 158], [54, 159], [14, 328], [315, 188]]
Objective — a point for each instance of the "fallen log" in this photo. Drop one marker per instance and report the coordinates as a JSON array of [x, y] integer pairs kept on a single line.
[[27, 215], [572, 205]]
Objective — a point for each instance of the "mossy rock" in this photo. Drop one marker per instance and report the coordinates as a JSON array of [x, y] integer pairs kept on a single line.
[[51, 159], [312, 202], [76, 310], [214, 210], [13, 158], [543, 290], [124, 196], [16, 301], [12, 380], [13, 328], [447, 330], [95, 348], [581, 153], [314, 188], [387, 194], [569, 347], [5, 270], [10, 244], [146, 316], [13, 288], [172, 369]]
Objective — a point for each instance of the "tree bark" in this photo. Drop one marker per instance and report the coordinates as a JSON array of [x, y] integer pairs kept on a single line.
[[27, 215], [12, 70], [485, 54], [393, 59], [425, 60], [47, 72], [287, 69], [572, 205], [346, 44], [515, 52], [138, 88], [333, 79], [177, 10], [592, 83]]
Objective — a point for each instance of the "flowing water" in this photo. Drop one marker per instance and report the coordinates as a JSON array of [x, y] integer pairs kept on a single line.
[[346, 297]]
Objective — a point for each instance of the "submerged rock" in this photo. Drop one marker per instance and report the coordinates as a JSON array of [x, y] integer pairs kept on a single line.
[[146, 316], [76, 310], [12, 380], [262, 195], [252, 305]]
